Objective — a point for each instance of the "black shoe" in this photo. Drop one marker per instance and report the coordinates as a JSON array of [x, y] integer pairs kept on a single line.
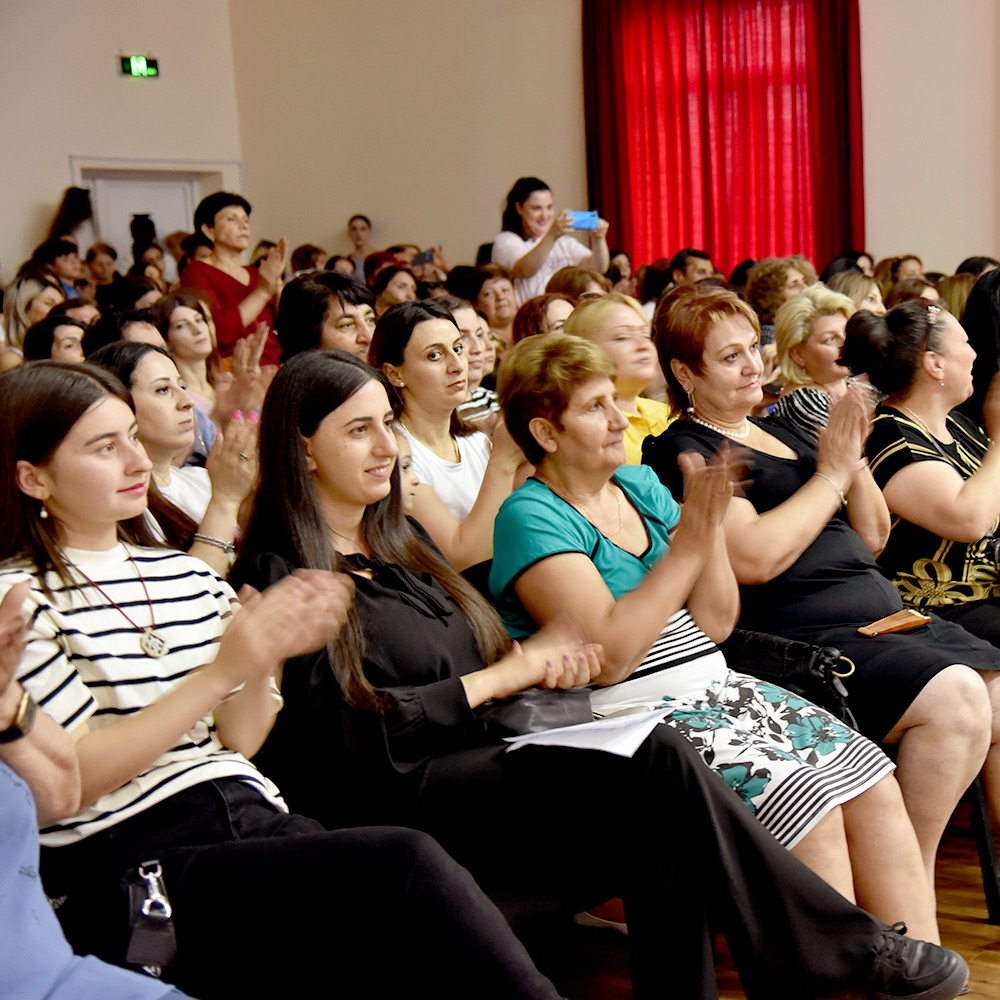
[[915, 970]]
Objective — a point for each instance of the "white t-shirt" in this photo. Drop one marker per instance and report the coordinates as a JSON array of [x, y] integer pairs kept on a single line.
[[190, 489], [509, 248], [456, 483]]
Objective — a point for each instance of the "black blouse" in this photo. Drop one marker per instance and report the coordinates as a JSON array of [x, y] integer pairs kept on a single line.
[[343, 764]]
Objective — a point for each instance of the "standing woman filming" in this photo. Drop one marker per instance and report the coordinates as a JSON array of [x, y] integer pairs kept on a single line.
[[534, 243]]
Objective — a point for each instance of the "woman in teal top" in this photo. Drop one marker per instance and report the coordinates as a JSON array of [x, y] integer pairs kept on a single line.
[[593, 537], [557, 527]]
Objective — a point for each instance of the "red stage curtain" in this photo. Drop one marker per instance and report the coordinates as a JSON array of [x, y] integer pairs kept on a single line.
[[728, 125]]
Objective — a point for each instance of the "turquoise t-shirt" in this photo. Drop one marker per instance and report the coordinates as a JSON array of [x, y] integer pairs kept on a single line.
[[534, 523]]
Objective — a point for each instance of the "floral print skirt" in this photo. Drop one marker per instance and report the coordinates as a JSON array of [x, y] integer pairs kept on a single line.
[[789, 760]]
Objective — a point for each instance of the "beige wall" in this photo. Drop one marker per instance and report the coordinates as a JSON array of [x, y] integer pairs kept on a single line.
[[63, 97], [931, 117], [420, 114]]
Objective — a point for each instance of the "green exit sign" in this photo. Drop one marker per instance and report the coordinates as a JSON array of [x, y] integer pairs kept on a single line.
[[140, 66]]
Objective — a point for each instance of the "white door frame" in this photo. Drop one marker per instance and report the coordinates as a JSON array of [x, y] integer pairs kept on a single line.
[[205, 176]]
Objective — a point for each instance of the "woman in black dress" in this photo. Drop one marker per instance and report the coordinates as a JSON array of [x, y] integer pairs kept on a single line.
[[940, 474], [801, 541]]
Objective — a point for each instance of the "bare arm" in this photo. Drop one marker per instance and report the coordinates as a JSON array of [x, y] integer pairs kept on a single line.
[[244, 721], [535, 258], [232, 478], [599, 258], [554, 658], [470, 540], [271, 268], [934, 495], [44, 758], [867, 511], [762, 546], [714, 602]]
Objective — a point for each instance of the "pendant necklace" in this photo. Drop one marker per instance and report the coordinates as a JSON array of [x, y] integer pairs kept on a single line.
[[150, 641]]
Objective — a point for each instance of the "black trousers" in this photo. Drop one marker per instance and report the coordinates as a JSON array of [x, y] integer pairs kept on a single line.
[[266, 904], [672, 838]]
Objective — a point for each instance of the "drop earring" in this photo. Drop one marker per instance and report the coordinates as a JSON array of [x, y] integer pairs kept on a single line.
[[43, 513]]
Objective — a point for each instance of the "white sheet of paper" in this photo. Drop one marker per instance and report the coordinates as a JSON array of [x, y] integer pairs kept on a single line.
[[621, 735]]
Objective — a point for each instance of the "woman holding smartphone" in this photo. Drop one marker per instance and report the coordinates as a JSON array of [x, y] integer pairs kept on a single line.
[[534, 243]]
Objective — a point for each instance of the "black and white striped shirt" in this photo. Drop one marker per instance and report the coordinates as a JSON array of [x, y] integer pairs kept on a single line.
[[83, 664]]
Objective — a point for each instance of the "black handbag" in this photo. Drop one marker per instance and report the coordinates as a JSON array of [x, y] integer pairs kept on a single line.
[[535, 710], [814, 672]]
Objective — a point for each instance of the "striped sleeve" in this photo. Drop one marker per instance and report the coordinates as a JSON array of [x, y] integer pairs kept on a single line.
[[807, 408], [46, 671], [894, 443]]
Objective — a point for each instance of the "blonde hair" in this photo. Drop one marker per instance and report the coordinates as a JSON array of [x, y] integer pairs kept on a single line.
[[954, 292], [793, 325], [587, 316], [856, 286]]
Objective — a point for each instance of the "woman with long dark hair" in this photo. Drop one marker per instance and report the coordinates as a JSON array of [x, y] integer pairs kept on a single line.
[[534, 242], [463, 476]]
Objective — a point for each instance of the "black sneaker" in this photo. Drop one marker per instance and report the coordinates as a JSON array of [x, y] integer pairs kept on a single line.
[[915, 970]]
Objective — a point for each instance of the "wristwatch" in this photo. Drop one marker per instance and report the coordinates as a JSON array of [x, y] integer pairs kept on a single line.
[[24, 720]]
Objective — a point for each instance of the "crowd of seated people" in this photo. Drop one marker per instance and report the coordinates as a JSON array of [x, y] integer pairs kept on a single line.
[[316, 523]]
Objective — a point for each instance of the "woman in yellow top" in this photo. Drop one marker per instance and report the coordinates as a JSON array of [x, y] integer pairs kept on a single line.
[[617, 324]]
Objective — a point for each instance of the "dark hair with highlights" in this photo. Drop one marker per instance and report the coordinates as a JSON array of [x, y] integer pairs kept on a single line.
[[681, 324], [538, 378]]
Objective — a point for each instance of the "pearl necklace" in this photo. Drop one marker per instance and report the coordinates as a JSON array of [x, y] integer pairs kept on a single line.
[[740, 435]]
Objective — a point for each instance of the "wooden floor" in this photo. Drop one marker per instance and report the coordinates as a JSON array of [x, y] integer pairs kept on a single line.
[[593, 964]]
